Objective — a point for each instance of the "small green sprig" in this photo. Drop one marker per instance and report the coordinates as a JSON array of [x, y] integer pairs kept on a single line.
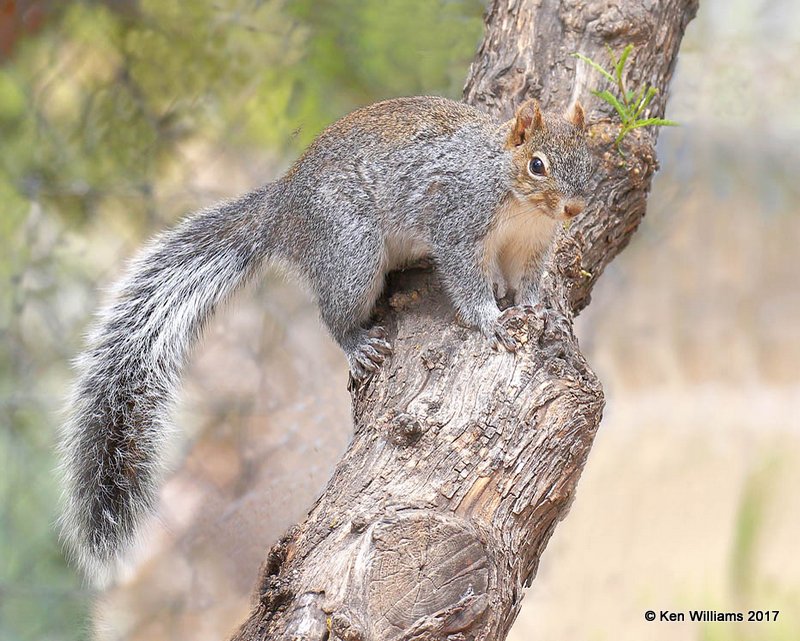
[[628, 104]]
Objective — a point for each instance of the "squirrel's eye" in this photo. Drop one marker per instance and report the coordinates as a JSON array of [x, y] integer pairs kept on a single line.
[[537, 166]]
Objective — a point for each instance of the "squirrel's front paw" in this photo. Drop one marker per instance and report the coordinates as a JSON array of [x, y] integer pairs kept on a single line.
[[504, 330], [498, 335], [367, 356]]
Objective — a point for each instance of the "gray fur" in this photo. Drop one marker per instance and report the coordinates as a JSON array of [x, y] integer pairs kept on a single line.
[[380, 187]]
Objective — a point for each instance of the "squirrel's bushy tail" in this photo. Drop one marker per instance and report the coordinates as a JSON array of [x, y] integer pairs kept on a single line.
[[113, 440]]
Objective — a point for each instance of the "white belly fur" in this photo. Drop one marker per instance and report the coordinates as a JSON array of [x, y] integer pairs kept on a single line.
[[521, 234], [404, 250]]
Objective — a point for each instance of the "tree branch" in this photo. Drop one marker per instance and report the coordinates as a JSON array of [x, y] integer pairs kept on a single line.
[[463, 460]]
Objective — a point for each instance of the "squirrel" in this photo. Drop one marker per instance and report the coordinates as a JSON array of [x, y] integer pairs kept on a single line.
[[385, 185]]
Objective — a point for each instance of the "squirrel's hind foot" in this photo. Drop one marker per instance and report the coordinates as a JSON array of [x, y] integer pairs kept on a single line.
[[500, 339], [368, 353], [502, 332]]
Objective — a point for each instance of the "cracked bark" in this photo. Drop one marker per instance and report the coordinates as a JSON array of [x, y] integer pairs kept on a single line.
[[463, 460]]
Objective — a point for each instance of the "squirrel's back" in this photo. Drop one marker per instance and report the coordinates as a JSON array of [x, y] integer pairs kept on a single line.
[[400, 122], [399, 160]]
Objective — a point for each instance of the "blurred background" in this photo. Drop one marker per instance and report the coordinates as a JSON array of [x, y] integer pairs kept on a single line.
[[118, 117]]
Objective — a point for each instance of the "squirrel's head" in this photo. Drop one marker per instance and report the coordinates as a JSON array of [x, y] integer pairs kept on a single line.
[[552, 165]]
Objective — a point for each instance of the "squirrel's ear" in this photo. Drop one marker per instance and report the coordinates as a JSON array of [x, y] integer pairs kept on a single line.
[[576, 115], [528, 119]]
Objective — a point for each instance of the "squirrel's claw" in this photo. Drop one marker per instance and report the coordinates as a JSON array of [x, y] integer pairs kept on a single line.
[[502, 331], [501, 338], [367, 358], [377, 340]]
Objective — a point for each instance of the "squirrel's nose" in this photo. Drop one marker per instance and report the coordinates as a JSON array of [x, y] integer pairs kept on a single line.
[[573, 207]]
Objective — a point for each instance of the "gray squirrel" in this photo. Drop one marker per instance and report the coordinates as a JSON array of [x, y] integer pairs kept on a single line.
[[385, 185]]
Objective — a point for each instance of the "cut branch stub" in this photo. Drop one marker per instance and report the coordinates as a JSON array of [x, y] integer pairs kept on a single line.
[[426, 572]]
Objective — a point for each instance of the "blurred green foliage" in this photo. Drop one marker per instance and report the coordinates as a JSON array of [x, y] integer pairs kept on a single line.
[[96, 107]]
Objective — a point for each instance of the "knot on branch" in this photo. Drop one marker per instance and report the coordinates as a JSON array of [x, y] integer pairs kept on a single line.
[[405, 430]]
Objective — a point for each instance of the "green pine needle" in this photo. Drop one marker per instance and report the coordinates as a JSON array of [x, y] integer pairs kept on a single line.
[[592, 63], [629, 104]]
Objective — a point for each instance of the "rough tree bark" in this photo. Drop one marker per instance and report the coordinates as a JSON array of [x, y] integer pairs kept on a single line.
[[463, 460]]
